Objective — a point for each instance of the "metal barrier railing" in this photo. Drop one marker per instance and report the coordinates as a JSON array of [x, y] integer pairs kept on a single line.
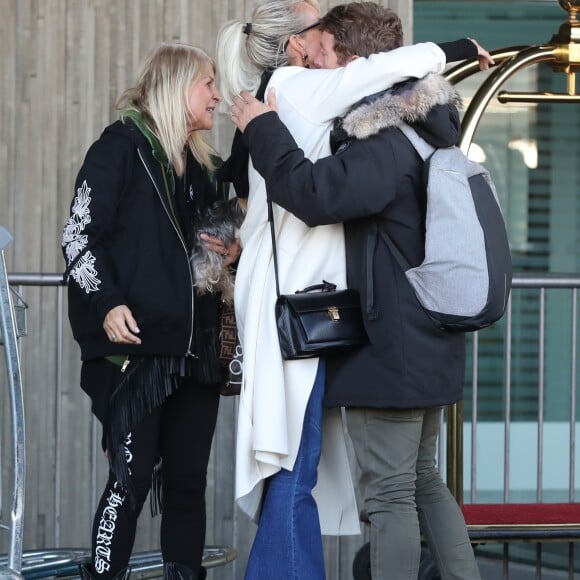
[[528, 516], [539, 284], [58, 562], [9, 332], [455, 414]]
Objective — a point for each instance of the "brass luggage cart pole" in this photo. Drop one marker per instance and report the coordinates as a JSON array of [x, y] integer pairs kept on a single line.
[[562, 53], [8, 338]]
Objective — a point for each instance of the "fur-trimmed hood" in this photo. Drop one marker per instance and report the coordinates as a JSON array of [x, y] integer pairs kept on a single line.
[[408, 102]]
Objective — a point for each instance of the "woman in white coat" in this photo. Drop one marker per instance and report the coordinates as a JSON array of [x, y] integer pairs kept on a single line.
[[280, 421]]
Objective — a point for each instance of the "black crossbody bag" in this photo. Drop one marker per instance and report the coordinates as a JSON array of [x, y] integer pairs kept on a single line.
[[317, 321]]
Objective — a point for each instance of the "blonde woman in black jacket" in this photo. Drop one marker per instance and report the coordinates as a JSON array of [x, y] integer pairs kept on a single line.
[[148, 339]]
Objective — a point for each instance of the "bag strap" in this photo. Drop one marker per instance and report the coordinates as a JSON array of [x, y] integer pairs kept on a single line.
[[424, 149], [324, 287], [274, 253], [401, 260]]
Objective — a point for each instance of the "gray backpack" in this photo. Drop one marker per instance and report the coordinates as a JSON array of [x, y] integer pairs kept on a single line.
[[465, 279]]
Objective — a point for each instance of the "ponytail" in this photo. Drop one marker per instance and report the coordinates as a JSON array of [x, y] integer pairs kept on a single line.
[[246, 50], [236, 72]]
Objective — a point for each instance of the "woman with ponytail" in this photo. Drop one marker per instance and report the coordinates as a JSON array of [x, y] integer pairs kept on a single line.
[[292, 471]]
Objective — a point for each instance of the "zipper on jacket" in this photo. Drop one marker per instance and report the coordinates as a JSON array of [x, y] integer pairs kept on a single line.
[[188, 350], [125, 364]]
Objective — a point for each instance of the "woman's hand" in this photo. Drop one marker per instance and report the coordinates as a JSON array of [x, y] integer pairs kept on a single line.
[[246, 107], [230, 253], [233, 252], [120, 326], [485, 59]]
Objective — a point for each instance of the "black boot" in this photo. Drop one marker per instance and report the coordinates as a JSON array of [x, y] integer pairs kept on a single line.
[[86, 573], [174, 571]]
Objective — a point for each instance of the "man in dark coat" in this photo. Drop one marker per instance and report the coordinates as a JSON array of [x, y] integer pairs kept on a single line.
[[394, 388]]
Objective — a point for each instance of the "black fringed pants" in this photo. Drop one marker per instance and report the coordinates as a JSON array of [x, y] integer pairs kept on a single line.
[[179, 432]]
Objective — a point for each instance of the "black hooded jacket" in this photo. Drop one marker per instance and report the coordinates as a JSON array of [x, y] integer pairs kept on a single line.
[[123, 244], [376, 177]]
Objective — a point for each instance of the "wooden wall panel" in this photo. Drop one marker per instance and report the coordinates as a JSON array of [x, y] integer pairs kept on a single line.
[[63, 63]]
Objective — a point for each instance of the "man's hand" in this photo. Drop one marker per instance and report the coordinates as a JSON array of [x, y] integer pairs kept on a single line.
[[485, 59], [246, 107]]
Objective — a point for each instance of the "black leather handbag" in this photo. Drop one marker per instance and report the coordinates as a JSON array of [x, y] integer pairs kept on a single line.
[[317, 321]]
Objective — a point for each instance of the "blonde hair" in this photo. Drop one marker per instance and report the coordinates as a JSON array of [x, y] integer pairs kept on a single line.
[[160, 96], [243, 54]]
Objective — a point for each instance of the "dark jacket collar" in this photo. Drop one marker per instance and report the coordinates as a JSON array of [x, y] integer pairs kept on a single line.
[[148, 133]]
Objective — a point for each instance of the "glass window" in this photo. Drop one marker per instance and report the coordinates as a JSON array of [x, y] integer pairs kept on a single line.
[[532, 151]]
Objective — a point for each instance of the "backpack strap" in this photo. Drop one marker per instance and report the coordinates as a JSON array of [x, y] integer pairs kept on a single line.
[[401, 260], [425, 150], [421, 146]]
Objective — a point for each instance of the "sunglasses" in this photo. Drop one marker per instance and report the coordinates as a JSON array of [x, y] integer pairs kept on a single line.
[[306, 29]]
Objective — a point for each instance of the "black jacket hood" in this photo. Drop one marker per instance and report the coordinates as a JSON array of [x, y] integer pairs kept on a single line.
[[429, 104]]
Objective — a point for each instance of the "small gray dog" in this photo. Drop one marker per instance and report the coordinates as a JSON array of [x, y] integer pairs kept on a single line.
[[222, 220]]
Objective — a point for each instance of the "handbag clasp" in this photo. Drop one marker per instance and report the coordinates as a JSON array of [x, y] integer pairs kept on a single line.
[[333, 313]]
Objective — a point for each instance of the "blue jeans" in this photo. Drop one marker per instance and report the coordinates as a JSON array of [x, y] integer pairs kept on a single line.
[[288, 542]]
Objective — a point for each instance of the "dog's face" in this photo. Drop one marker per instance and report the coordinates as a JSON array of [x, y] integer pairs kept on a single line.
[[222, 220]]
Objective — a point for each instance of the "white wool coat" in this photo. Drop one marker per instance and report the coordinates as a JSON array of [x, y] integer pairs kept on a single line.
[[275, 392]]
